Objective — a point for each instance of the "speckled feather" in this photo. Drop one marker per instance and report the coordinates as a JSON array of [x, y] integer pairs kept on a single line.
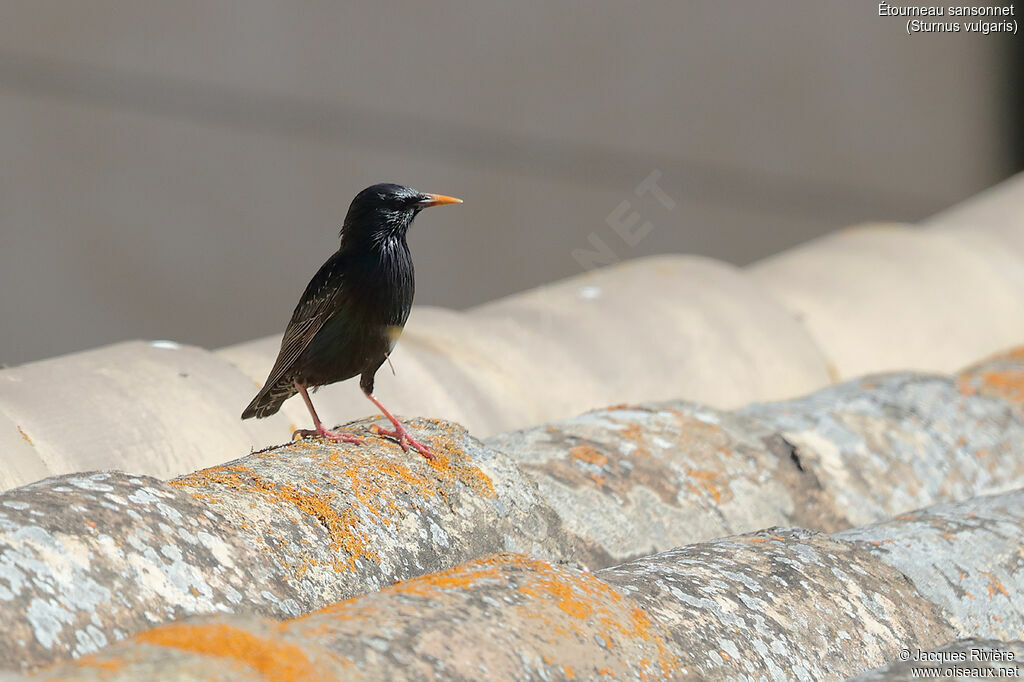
[[346, 320]]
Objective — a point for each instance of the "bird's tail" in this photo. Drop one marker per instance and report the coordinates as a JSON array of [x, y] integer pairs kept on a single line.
[[269, 400]]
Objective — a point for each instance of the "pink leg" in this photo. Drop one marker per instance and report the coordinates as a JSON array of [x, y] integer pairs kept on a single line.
[[400, 434], [320, 429]]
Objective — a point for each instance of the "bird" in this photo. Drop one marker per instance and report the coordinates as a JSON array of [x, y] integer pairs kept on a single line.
[[352, 312]]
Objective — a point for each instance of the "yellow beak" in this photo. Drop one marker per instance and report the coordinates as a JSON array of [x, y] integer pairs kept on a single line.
[[438, 200]]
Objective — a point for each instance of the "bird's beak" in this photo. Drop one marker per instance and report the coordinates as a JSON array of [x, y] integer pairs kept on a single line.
[[437, 200]]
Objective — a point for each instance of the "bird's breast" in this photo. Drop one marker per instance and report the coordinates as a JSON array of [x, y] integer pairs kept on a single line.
[[382, 287]]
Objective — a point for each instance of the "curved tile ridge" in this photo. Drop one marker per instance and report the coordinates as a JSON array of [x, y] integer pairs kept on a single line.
[[647, 329], [159, 408], [637, 479], [994, 212], [88, 559], [22, 462], [894, 297], [709, 333], [340, 521], [780, 603], [960, 559], [325, 522]]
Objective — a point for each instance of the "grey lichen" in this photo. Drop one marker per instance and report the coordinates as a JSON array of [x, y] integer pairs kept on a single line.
[[77, 570]]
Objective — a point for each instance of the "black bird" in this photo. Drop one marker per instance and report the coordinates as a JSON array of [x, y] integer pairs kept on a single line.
[[353, 310]]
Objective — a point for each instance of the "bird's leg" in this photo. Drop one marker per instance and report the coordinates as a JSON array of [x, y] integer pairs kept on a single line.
[[319, 429], [400, 433]]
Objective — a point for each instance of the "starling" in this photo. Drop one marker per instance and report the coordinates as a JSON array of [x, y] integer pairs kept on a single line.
[[352, 311]]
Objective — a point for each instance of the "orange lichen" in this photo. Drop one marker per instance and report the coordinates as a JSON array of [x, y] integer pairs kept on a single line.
[[340, 527], [994, 585], [273, 659], [1007, 384], [575, 597], [589, 454], [25, 436], [382, 491], [704, 483], [568, 672], [100, 661], [585, 597], [568, 602], [1014, 353], [465, 576], [564, 604], [641, 622], [621, 472], [634, 432]]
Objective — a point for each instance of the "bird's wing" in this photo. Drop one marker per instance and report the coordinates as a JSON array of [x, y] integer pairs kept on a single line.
[[318, 302]]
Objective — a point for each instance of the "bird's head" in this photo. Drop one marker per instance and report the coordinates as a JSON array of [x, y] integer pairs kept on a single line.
[[385, 211]]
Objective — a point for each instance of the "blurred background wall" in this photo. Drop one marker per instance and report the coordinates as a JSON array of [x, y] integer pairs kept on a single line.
[[180, 169]]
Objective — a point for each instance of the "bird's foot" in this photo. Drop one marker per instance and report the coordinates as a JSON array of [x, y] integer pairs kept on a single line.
[[324, 432], [404, 439]]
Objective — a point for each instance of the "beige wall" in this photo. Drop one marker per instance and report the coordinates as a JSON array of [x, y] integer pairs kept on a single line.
[[179, 170]]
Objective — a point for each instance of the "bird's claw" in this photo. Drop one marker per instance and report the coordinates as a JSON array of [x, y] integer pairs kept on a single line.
[[404, 439], [336, 436]]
